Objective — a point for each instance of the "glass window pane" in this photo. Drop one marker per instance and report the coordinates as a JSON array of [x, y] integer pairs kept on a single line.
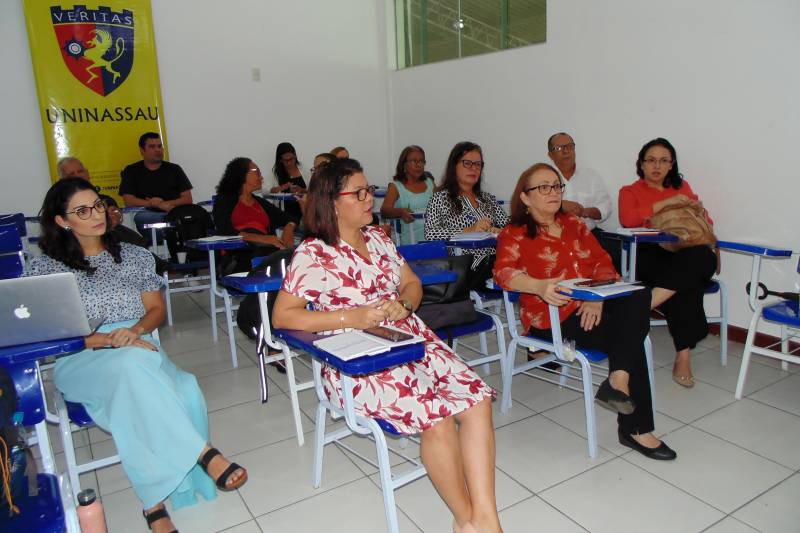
[[437, 30]]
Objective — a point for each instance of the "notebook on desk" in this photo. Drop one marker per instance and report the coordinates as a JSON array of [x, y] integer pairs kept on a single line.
[[220, 238], [42, 308], [473, 236], [617, 287], [352, 344], [636, 231]]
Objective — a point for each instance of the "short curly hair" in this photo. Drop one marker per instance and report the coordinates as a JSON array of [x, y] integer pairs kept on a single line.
[[234, 176]]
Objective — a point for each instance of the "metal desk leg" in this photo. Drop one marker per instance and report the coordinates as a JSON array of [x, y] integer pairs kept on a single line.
[[42, 436], [212, 271]]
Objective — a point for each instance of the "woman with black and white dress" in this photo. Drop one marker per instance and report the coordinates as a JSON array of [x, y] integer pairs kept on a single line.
[[461, 206]]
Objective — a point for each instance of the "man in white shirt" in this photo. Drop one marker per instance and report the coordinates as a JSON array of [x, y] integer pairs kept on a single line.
[[585, 195]]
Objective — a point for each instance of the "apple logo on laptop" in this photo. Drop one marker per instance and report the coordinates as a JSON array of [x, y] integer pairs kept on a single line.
[[22, 312]]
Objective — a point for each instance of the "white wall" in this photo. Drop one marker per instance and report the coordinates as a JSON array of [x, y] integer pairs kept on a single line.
[[717, 78], [323, 83]]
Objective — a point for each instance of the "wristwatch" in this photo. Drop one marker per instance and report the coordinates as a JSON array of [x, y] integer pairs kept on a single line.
[[407, 305]]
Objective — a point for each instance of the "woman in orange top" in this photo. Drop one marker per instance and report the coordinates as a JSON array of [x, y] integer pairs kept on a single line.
[[543, 245], [678, 278]]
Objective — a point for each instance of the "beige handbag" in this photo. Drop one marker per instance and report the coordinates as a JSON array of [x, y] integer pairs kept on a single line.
[[687, 222]]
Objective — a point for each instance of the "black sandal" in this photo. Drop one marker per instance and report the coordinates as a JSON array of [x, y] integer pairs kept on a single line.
[[221, 481], [155, 516]]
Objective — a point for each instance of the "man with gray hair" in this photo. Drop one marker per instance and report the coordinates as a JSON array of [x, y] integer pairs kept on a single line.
[[585, 195], [71, 167]]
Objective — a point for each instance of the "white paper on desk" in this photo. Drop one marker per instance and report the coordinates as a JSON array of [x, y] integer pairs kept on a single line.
[[220, 238], [353, 344], [637, 231], [604, 290], [473, 236]]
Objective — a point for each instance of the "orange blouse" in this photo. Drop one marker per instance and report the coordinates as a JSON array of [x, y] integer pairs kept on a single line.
[[576, 253], [636, 202]]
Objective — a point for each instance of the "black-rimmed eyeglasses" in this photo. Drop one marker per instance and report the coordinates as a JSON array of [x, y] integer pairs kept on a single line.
[[546, 188], [469, 164], [84, 212], [361, 194]]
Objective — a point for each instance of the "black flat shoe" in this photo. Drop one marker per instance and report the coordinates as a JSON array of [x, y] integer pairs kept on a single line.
[[155, 516], [662, 453], [614, 399], [279, 366], [538, 354]]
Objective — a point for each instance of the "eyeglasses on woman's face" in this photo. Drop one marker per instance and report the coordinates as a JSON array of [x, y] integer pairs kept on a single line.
[[416, 162], [467, 163], [547, 188], [84, 212], [653, 162], [361, 193]]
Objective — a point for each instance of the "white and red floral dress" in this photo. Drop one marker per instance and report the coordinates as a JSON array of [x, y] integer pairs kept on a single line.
[[412, 397]]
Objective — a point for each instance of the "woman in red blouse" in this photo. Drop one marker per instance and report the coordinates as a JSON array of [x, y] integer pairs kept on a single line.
[[237, 211], [543, 245], [678, 278]]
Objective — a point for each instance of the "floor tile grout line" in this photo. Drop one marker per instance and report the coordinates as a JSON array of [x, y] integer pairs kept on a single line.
[[762, 402], [318, 492], [397, 504], [753, 452], [547, 503], [697, 497], [754, 498], [673, 485], [782, 378], [537, 493]]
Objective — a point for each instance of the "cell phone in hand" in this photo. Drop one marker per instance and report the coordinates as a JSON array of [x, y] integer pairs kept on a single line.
[[388, 334], [595, 282]]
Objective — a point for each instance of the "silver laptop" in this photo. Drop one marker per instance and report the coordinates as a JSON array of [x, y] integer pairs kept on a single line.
[[42, 308]]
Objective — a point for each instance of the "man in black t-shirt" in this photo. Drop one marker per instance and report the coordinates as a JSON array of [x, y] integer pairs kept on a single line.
[[153, 183]]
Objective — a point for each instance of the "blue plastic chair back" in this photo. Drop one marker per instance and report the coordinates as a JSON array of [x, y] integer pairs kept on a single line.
[[11, 266], [17, 219], [423, 250], [10, 240], [11, 261]]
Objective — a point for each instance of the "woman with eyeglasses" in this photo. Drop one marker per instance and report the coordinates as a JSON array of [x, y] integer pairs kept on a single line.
[[239, 211], [154, 411], [678, 278], [353, 277], [542, 246], [410, 194], [461, 206]]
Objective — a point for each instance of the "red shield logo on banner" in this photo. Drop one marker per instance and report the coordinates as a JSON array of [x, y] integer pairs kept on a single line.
[[96, 45]]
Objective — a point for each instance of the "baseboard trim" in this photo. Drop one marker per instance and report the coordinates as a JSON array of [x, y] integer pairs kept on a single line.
[[738, 334]]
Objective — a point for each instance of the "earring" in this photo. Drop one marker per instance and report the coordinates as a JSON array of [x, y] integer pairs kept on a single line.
[[68, 228]]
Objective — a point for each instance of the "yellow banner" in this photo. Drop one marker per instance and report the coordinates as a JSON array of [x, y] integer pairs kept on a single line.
[[97, 82]]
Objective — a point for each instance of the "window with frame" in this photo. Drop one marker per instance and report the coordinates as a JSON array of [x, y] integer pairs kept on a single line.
[[436, 30]]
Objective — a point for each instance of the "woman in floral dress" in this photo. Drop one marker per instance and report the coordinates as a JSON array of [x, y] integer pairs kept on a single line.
[[354, 278]]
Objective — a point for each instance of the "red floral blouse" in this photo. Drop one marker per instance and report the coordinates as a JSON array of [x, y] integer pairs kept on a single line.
[[576, 253]]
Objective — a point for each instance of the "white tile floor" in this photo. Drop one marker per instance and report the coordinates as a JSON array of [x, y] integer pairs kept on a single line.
[[737, 468]]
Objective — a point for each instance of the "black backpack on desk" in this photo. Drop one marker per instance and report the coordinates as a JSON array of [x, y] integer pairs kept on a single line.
[[188, 222]]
